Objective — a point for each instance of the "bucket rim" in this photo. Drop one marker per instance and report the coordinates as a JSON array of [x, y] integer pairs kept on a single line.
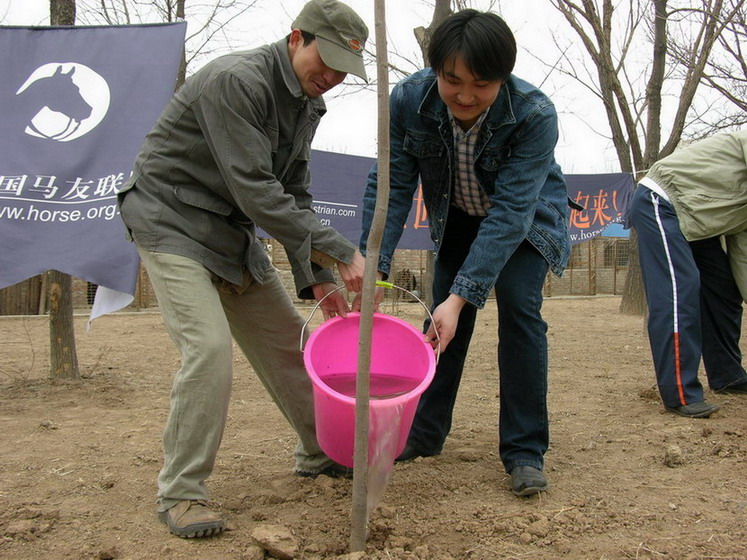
[[416, 391]]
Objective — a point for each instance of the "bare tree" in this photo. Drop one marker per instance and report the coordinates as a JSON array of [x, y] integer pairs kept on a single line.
[[63, 355], [725, 72], [441, 10], [211, 29], [401, 64], [62, 12], [649, 102]]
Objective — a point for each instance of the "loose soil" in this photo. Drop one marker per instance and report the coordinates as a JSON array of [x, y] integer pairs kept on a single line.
[[78, 460]]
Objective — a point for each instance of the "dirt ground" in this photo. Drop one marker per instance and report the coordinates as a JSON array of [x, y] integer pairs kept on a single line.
[[78, 460]]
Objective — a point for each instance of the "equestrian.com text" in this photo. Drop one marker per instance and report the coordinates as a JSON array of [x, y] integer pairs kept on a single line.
[[332, 211], [45, 215]]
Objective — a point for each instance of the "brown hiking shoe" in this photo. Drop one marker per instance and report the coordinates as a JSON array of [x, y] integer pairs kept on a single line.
[[192, 518]]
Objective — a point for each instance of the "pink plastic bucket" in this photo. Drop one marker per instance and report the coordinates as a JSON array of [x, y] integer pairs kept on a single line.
[[402, 366]]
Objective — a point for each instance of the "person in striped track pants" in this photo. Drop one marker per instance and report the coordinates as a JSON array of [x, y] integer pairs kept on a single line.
[[690, 214]]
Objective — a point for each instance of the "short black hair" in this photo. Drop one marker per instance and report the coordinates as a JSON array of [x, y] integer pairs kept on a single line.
[[482, 39], [308, 38]]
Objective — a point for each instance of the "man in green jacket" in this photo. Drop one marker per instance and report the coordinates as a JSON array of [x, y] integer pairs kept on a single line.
[[228, 154], [688, 203]]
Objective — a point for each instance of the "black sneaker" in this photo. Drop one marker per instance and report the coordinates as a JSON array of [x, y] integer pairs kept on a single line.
[[335, 470], [526, 481], [738, 389], [702, 409], [408, 454]]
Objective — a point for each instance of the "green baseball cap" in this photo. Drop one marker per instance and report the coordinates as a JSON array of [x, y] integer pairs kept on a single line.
[[340, 34]]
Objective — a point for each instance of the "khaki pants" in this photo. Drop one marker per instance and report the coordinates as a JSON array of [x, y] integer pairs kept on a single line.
[[202, 315]]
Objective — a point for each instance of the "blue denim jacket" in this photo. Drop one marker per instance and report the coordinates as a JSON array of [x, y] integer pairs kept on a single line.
[[514, 164]]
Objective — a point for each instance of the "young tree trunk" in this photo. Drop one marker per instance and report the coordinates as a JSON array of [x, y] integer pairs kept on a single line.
[[360, 506], [441, 10], [633, 301], [62, 12], [63, 357], [182, 75]]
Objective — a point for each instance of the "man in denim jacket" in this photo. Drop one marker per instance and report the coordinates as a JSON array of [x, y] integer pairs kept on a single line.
[[482, 143]]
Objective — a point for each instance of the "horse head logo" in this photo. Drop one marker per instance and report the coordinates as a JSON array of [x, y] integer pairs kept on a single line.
[[63, 101]]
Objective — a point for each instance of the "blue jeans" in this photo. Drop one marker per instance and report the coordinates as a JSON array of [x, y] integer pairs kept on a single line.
[[522, 352]]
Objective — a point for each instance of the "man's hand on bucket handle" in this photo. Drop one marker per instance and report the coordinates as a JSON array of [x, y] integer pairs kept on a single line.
[[378, 296], [352, 272], [335, 304], [445, 319]]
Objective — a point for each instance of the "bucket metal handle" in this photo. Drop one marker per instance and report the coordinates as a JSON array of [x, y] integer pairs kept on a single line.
[[379, 284]]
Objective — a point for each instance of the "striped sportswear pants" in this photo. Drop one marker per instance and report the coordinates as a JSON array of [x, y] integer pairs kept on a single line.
[[695, 308]]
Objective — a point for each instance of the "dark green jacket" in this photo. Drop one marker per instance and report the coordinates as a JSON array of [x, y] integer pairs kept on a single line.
[[231, 152]]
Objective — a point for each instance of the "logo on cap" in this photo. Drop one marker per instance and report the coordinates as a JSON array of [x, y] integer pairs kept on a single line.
[[354, 44]]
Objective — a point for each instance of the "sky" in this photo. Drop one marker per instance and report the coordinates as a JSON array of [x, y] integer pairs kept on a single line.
[[350, 125]]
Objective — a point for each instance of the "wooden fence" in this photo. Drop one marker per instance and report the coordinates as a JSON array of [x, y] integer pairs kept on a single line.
[[598, 266]]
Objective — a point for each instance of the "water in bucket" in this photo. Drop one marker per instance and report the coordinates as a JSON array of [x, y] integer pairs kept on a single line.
[[402, 366], [382, 385]]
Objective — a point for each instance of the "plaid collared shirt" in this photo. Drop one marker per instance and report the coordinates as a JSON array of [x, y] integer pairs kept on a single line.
[[468, 196]]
